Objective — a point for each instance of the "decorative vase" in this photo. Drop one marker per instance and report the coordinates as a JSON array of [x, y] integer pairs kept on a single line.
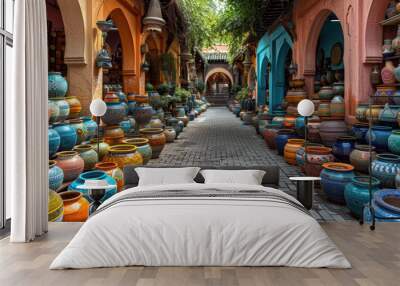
[[331, 130], [360, 158], [300, 126], [76, 207], [387, 73], [143, 147], [343, 147], [131, 104], [90, 126], [361, 112], [143, 114], [55, 207], [101, 148], [356, 193], [384, 93], [93, 175], [373, 113], [270, 133], [396, 41], [337, 106], [389, 113], [122, 96], [385, 168], [282, 138], [62, 106], [57, 85], [79, 128], [115, 110], [315, 157], [125, 125], [54, 111], [359, 131], [334, 178], [324, 109], [156, 138], [313, 127], [75, 107], [170, 134], [113, 135], [326, 93], [68, 136], [89, 156], [173, 122], [394, 142], [156, 123], [386, 205], [154, 99], [124, 155], [114, 172], [56, 176], [375, 76], [338, 88], [379, 137], [290, 150], [71, 164], [289, 122], [54, 141]]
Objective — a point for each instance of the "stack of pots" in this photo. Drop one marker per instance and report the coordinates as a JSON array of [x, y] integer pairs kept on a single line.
[[295, 94]]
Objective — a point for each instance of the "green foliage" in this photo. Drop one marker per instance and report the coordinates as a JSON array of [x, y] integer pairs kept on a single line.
[[149, 87], [163, 89], [242, 94], [200, 86], [182, 94]]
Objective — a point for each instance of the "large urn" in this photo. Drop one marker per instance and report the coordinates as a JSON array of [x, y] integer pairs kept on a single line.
[[56, 176], [282, 138], [315, 157], [334, 178], [291, 149], [124, 155], [89, 156], [379, 137], [57, 85], [114, 172], [54, 141], [157, 140], [385, 168], [115, 110], [68, 136], [60, 109], [75, 107], [360, 158], [143, 114], [343, 147], [142, 146], [331, 130], [71, 164], [90, 126], [76, 207]]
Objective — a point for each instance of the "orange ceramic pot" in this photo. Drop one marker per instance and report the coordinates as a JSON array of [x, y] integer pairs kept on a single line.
[[124, 155], [71, 164], [113, 135], [141, 98], [75, 107], [142, 146], [114, 171], [297, 83], [295, 96], [76, 207], [289, 121], [157, 140], [290, 150]]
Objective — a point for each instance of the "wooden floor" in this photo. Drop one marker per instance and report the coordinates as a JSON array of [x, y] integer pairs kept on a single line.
[[375, 257]]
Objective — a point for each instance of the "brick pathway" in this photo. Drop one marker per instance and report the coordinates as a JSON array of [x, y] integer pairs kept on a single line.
[[218, 138]]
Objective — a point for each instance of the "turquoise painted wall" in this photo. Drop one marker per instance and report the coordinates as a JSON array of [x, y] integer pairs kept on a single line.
[[331, 33]]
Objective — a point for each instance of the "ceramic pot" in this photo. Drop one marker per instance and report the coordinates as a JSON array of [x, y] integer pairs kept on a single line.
[[122, 96], [324, 109], [143, 114], [71, 164], [384, 93], [126, 108], [236, 110], [90, 126], [180, 111], [124, 155], [391, 10], [331, 130], [270, 133], [143, 147], [79, 128], [156, 138], [385, 168], [375, 76], [373, 113], [55, 207], [300, 155], [54, 141], [101, 148], [57, 85], [56, 176], [141, 99], [386, 205], [54, 111], [295, 96], [93, 175], [389, 113], [114, 172], [337, 106], [248, 118], [68, 137], [290, 150], [334, 178], [361, 112], [115, 110], [282, 138], [89, 156], [338, 88], [313, 127], [289, 122], [359, 131], [316, 156], [396, 41], [113, 135], [297, 83], [125, 125], [63, 108], [156, 123], [184, 119], [326, 93], [379, 137], [356, 193], [173, 122], [76, 207], [300, 126], [387, 73], [278, 120], [75, 107], [394, 142], [131, 104], [343, 147], [170, 134], [360, 158]]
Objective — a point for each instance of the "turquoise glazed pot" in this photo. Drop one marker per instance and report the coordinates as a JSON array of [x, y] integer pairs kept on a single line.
[[334, 178], [359, 131], [67, 135], [122, 96], [236, 110], [143, 114], [300, 126], [54, 111], [356, 193], [126, 107], [57, 84], [282, 138], [380, 136], [385, 168], [89, 156], [343, 147], [54, 141], [384, 207], [126, 126], [63, 108], [115, 113], [93, 175], [180, 111], [56, 176], [90, 127], [394, 142], [131, 106], [389, 113], [173, 122], [80, 129]]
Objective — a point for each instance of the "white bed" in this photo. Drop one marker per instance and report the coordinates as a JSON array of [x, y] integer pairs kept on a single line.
[[200, 231]]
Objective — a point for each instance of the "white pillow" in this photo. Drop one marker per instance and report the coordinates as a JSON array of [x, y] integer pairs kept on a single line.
[[166, 176], [246, 177]]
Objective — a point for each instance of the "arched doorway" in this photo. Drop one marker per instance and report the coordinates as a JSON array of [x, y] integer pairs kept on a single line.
[[152, 57], [218, 86], [113, 76]]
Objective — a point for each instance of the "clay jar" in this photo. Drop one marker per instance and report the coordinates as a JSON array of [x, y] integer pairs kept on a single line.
[[75, 107], [360, 158], [387, 73], [71, 164], [270, 133], [394, 142], [290, 150], [157, 140], [60, 109], [380, 137], [67, 135], [315, 157], [115, 110], [331, 130], [361, 112], [143, 147], [324, 109], [295, 96], [54, 141], [56, 176], [282, 138], [124, 155], [337, 108], [80, 129], [76, 207], [113, 135], [90, 126], [334, 178], [89, 156], [101, 148], [57, 85], [326, 93], [113, 171], [385, 168], [373, 113], [343, 147], [170, 134]]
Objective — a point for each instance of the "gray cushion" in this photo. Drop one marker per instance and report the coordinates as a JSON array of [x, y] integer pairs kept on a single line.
[[271, 178]]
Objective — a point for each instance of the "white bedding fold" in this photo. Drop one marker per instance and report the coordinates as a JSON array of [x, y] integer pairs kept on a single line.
[[200, 232]]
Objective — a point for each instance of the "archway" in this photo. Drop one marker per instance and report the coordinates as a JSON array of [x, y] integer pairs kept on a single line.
[[280, 77], [113, 44], [220, 70], [152, 57], [219, 83]]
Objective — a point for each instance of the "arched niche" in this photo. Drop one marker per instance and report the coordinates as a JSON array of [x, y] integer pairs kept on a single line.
[[220, 70]]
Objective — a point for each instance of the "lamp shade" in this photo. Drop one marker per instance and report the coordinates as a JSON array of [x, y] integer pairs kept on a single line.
[[98, 107], [306, 107]]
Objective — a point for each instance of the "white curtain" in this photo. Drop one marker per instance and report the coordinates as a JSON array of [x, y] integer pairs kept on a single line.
[[26, 123]]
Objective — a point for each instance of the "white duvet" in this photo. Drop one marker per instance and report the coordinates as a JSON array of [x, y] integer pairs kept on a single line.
[[200, 232]]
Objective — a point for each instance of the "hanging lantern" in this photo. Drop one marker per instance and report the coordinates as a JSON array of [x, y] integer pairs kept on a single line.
[[103, 59], [153, 22], [145, 66]]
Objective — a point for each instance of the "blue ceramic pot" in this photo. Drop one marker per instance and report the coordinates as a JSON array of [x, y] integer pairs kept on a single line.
[[126, 107], [173, 122], [57, 85], [343, 147], [115, 113], [125, 125], [122, 96], [131, 106], [300, 126], [383, 204], [80, 130], [67, 135], [90, 127], [389, 113], [143, 114], [394, 142], [54, 141], [63, 109], [282, 138], [236, 110], [54, 110], [359, 131], [385, 168], [93, 175], [379, 136], [56, 176], [334, 178], [356, 193], [180, 111]]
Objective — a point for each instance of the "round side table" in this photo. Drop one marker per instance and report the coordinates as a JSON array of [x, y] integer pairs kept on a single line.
[[305, 190]]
